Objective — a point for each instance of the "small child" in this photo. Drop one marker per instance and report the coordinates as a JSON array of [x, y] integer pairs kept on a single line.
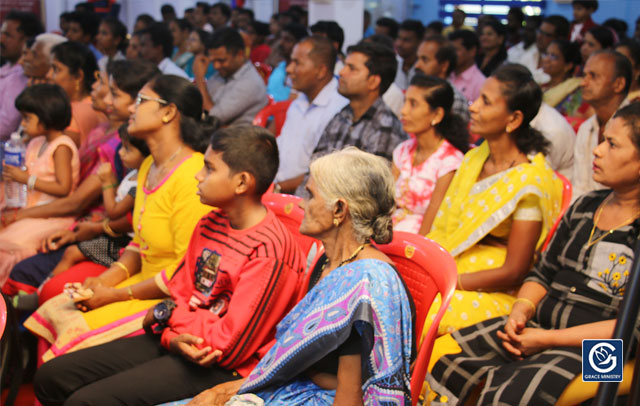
[[582, 21], [51, 159], [52, 171], [105, 249]]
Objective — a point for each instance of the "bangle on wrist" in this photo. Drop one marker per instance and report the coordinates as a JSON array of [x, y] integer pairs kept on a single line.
[[108, 230], [527, 302], [109, 186], [460, 282], [31, 183], [123, 267], [131, 297]]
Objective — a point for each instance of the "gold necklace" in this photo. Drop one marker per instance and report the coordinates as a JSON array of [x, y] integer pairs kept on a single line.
[[351, 257], [595, 222], [160, 169]]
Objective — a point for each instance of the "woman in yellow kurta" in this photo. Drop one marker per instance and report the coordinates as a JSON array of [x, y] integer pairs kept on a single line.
[[501, 203], [166, 210]]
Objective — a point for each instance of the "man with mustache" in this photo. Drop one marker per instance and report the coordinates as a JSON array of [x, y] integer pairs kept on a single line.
[[16, 29]]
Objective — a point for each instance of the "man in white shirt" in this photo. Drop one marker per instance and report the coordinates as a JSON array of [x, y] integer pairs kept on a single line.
[[410, 35], [156, 45], [531, 25], [606, 82], [311, 74], [200, 16], [557, 130], [552, 27]]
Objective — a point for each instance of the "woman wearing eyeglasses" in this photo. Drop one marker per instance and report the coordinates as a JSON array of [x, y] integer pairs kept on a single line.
[[167, 115], [112, 94], [563, 91]]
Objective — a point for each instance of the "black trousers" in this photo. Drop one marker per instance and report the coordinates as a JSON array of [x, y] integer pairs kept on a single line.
[[128, 371]]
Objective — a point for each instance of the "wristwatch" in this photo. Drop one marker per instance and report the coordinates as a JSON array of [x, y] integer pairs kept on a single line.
[[162, 312], [161, 315]]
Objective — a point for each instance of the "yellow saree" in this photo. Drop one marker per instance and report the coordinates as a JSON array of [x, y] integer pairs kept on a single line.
[[471, 210]]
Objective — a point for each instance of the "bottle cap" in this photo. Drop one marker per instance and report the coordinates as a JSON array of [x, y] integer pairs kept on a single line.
[[16, 136]]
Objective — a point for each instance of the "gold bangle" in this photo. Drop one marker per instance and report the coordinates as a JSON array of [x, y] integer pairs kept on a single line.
[[460, 281], [526, 301], [130, 293], [123, 267], [109, 186], [108, 230]]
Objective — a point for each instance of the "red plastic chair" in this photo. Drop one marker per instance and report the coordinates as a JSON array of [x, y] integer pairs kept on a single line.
[[277, 110], [3, 316], [427, 269], [287, 208], [567, 191], [264, 70]]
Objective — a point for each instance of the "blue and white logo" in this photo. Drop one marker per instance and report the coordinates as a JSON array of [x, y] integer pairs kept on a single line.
[[602, 360]]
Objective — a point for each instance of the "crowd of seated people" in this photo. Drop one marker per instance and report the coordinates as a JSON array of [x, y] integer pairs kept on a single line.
[[150, 271]]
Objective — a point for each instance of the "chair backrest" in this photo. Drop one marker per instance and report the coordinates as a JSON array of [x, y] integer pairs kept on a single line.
[[288, 211], [567, 191], [264, 70], [427, 269], [277, 110]]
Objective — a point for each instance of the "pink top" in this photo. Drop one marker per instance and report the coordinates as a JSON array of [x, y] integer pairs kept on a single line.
[[469, 82], [99, 146], [43, 166], [84, 118], [415, 185]]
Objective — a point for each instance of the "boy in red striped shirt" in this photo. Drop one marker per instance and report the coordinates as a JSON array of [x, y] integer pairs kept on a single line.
[[237, 280]]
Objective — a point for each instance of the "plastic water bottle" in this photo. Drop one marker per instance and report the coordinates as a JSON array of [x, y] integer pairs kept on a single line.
[[14, 152]]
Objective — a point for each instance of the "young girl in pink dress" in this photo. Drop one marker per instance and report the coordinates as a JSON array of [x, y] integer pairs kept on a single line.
[[425, 164], [53, 168]]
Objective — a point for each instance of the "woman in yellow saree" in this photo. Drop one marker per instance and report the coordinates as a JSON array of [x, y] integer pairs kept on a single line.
[[501, 203]]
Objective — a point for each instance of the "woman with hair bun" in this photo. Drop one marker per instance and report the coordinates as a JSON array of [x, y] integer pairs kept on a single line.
[[167, 116], [501, 203], [354, 292], [424, 166]]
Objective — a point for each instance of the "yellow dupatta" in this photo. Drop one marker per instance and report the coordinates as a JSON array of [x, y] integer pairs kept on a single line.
[[559, 92], [471, 209]]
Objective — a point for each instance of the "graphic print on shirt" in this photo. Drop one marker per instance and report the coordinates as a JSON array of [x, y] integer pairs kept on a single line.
[[206, 275]]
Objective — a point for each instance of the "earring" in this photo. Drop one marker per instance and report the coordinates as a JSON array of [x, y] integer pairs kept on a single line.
[[165, 120], [336, 222], [433, 123]]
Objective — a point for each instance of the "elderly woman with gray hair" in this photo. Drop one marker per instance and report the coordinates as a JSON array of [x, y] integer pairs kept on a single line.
[[349, 340]]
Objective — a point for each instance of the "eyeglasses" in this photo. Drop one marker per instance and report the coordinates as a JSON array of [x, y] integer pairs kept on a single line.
[[546, 34], [142, 98], [552, 57]]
